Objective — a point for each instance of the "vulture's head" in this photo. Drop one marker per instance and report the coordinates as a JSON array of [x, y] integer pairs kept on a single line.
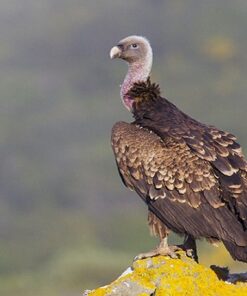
[[137, 52], [134, 50]]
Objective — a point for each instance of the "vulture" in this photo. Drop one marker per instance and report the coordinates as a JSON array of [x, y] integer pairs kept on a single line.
[[192, 176]]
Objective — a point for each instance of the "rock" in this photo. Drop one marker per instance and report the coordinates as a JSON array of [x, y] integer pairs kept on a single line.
[[160, 276]]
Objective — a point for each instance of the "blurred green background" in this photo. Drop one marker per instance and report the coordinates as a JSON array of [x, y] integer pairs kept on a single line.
[[66, 221]]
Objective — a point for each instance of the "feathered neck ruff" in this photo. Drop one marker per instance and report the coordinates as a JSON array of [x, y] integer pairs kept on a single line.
[[144, 94], [144, 91], [148, 104]]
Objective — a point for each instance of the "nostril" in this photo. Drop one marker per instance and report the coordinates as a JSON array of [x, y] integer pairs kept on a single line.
[[120, 46]]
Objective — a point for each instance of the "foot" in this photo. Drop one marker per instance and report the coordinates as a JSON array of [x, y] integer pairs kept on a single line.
[[189, 246], [162, 250], [189, 252]]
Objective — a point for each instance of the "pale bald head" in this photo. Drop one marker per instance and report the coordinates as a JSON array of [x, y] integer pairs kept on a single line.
[[137, 52], [133, 49]]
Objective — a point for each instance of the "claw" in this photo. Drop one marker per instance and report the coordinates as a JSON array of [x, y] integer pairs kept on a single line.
[[189, 247], [162, 250]]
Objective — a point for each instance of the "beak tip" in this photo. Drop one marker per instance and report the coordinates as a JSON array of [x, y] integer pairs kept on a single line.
[[115, 52]]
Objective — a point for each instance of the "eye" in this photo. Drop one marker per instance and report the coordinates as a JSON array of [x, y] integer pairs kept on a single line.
[[134, 45]]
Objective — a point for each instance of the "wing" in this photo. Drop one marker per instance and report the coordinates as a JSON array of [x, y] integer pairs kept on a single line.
[[224, 154], [180, 187], [214, 146]]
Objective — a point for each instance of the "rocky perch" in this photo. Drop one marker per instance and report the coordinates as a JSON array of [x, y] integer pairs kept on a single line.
[[163, 276]]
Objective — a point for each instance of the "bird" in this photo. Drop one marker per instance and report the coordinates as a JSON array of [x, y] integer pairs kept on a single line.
[[192, 176]]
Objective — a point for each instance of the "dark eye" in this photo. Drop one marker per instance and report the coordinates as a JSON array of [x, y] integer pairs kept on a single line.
[[134, 45]]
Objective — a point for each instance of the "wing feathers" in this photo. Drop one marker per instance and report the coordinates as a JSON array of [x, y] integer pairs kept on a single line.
[[224, 166], [193, 187], [164, 166]]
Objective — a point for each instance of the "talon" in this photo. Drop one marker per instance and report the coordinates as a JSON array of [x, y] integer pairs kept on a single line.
[[139, 257], [189, 253], [162, 250], [189, 247]]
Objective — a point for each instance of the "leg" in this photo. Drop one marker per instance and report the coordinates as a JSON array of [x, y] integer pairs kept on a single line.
[[189, 246], [163, 249]]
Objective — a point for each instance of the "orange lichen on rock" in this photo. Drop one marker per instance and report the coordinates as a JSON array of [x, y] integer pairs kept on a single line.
[[169, 277]]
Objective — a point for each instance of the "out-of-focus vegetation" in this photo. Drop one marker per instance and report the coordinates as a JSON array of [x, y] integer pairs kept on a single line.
[[66, 221]]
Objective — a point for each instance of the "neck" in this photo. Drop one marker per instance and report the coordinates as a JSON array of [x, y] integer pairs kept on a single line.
[[137, 72]]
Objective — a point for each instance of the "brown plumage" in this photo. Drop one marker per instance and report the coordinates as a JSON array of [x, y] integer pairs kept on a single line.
[[193, 177]]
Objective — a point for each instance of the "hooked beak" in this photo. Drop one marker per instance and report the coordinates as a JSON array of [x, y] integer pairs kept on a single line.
[[115, 52]]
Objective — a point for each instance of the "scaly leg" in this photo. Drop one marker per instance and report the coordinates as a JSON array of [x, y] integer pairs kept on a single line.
[[163, 249]]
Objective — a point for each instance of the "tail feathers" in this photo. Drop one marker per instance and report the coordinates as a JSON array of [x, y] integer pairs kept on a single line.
[[237, 252]]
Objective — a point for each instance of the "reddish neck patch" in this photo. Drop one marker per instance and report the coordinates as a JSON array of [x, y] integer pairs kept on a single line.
[[136, 73]]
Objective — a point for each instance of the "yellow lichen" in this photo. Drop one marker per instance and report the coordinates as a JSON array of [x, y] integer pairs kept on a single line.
[[170, 277]]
